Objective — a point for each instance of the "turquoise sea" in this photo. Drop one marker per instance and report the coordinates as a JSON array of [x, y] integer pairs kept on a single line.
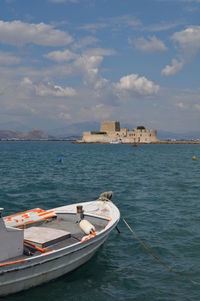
[[157, 189]]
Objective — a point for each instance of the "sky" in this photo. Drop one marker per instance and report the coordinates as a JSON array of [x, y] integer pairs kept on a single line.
[[64, 62]]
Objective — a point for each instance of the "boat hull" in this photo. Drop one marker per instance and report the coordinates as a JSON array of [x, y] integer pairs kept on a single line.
[[64, 262]]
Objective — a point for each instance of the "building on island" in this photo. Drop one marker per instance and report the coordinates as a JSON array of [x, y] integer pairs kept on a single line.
[[110, 132]]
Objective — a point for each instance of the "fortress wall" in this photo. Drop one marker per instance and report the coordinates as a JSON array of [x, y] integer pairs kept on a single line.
[[123, 132], [145, 136], [89, 137]]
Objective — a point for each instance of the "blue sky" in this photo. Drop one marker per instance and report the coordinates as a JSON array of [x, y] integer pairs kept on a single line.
[[64, 62]]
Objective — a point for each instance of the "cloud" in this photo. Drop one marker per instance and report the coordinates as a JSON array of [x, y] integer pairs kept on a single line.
[[151, 44], [139, 85], [86, 65], [130, 21], [181, 105], [124, 21], [163, 26], [188, 40], [64, 115], [47, 89], [84, 42], [26, 88], [19, 33], [187, 100], [101, 84], [7, 58], [89, 66], [96, 112], [114, 24], [61, 56], [93, 27], [99, 52], [54, 90], [173, 69], [197, 107]]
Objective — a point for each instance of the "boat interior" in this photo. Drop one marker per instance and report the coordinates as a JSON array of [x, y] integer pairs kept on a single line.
[[59, 231], [64, 230], [37, 231]]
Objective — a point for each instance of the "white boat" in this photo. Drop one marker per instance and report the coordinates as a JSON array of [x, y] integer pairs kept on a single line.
[[117, 141], [37, 246]]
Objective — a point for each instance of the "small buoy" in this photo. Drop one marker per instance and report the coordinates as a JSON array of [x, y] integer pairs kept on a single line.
[[59, 159], [86, 226], [194, 158]]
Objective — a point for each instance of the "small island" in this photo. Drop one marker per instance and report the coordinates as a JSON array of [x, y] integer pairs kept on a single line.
[[111, 132]]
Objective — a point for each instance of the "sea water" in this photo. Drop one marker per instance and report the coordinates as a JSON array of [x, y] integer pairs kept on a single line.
[[157, 189]]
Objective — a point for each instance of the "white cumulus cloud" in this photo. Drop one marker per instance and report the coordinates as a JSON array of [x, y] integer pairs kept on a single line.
[[187, 43], [173, 68], [151, 44], [61, 56], [136, 84], [89, 66], [20, 33], [54, 90], [46, 89], [188, 40], [85, 42], [99, 52]]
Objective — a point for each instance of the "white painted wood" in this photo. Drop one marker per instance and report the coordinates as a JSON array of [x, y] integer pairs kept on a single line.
[[45, 236], [11, 241]]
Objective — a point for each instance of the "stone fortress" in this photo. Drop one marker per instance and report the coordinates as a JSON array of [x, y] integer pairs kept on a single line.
[[110, 132]]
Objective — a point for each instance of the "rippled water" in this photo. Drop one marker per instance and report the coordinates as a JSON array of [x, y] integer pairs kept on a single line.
[[157, 189]]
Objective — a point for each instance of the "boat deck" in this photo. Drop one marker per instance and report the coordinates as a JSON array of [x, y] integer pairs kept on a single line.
[[73, 228]]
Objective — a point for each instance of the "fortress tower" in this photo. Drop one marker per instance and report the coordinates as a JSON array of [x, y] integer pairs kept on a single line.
[[110, 126]]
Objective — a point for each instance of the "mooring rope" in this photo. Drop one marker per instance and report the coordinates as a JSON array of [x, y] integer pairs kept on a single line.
[[145, 246]]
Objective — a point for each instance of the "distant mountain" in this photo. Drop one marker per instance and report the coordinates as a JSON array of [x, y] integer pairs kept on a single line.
[[164, 135], [75, 129], [8, 134], [35, 134]]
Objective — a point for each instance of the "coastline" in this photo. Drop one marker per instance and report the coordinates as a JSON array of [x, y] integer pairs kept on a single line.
[[139, 143], [83, 142]]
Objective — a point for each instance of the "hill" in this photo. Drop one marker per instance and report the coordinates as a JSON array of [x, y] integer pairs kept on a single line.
[[35, 134]]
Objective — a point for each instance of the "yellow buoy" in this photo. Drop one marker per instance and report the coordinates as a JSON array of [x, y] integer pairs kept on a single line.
[[194, 157]]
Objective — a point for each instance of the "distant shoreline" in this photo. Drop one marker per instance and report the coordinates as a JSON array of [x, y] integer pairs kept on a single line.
[[178, 142], [81, 142], [32, 140], [158, 142]]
